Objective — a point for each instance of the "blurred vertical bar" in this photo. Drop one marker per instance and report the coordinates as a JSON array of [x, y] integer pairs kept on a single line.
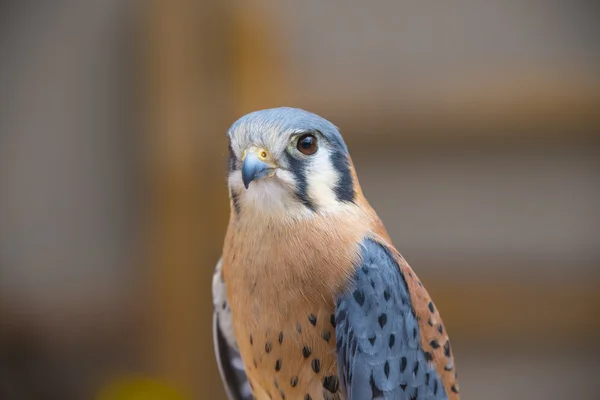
[[186, 113], [259, 73]]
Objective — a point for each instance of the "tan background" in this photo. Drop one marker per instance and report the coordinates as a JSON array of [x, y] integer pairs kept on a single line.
[[474, 127]]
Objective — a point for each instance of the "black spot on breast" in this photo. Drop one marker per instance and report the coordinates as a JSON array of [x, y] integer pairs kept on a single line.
[[331, 383], [429, 322], [251, 340], [403, 363], [307, 397], [276, 383], [359, 297], [268, 347], [372, 340], [416, 368], [299, 328], [441, 328], [316, 365], [428, 356], [382, 320], [435, 387], [312, 319], [306, 351], [277, 365], [434, 344], [294, 381], [326, 336], [386, 369], [280, 338], [344, 190], [403, 386], [282, 394], [332, 320], [254, 363], [454, 389], [386, 295], [392, 340]]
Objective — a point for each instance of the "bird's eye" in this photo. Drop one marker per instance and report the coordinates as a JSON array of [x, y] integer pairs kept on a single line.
[[307, 144]]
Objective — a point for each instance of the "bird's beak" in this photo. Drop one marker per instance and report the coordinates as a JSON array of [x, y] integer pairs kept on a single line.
[[255, 165]]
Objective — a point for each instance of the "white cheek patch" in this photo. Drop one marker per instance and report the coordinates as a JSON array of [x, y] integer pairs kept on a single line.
[[321, 177], [276, 195]]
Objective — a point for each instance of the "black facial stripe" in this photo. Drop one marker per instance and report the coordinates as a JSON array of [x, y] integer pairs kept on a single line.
[[344, 189], [297, 167], [232, 159], [235, 200]]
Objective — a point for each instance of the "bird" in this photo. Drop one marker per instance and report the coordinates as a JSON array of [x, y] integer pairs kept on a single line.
[[311, 299]]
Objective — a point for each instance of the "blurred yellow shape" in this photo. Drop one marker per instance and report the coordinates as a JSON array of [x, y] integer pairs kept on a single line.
[[139, 389]]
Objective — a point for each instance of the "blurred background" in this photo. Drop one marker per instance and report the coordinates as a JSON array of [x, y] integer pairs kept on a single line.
[[474, 127]]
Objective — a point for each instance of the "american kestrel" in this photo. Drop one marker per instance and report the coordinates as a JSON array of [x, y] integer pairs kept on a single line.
[[312, 301]]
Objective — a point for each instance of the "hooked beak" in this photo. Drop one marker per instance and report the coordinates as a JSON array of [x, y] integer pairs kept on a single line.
[[255, 166]]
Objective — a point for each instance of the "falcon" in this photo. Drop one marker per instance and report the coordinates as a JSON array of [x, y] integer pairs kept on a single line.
[[312, 301]]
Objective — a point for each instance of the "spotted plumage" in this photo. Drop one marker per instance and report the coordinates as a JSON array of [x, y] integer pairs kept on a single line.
[[311, 299]]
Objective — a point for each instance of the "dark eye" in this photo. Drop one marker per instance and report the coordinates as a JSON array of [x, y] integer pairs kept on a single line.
[[307, 144]]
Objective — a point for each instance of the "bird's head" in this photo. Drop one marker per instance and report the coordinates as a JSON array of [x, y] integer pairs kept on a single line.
[[287, 160]]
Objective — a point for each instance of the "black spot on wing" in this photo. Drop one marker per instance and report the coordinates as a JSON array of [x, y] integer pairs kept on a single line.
[[378, 337]]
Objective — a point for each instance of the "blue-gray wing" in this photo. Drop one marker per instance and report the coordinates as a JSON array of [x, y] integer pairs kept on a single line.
[[378, 340], [228, 357]]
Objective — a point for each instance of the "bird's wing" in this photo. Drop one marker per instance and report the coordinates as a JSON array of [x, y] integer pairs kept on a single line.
[[379, 349], [228, 357]]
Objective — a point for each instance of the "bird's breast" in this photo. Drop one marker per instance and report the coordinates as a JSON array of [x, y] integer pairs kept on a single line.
[[281, 286]]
